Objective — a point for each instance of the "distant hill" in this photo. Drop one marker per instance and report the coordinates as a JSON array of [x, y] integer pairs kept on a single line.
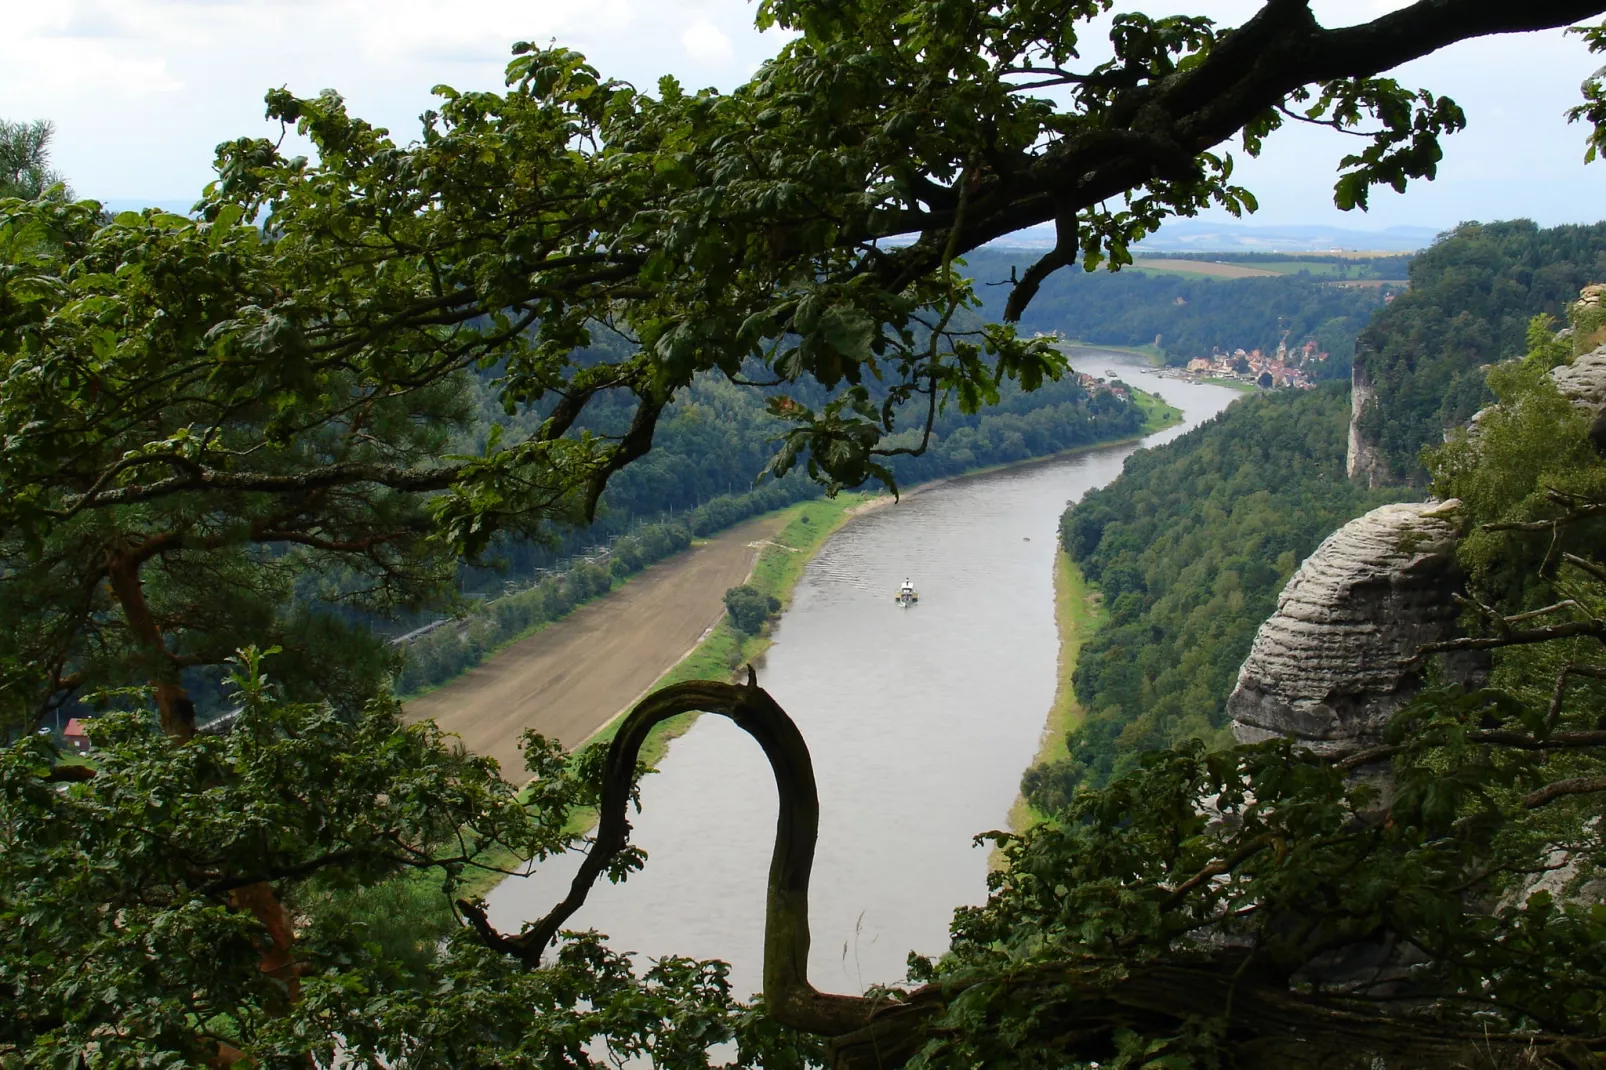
[[1472, 295], [1185, 313], [1192, 235]]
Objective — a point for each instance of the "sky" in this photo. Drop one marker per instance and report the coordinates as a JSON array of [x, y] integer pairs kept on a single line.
[[141, 90]]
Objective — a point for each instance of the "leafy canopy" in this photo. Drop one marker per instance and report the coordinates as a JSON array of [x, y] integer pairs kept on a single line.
[[25, 169], [197, 414]]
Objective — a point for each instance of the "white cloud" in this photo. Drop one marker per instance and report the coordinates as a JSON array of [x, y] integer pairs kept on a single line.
[[142, 90], [707, 43]]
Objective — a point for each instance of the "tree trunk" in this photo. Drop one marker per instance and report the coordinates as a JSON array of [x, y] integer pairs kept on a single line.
[[172, 701], [177, 713]]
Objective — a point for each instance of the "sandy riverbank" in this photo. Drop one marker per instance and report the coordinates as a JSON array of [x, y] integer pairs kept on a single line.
[[572, 678], [569, 679]]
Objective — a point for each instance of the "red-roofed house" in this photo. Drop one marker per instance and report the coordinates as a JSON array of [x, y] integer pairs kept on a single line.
[[75, 736]]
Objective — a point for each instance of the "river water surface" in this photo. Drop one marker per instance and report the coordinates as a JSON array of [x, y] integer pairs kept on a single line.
[[920, 722]]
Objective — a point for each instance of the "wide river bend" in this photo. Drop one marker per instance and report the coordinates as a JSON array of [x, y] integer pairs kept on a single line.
[[920, 722]]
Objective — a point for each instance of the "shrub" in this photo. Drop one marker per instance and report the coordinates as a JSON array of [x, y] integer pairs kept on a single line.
[[749, 608]]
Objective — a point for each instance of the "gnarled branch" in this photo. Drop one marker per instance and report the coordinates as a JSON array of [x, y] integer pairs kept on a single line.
[[787, 992]]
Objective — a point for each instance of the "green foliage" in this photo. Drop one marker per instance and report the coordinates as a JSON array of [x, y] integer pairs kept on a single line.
[[1181, 914], [1190, 546], [121, 933], [183, 477], [1211, 905], [750, 608], [1527, 460], [25, 161], [1473, 295]]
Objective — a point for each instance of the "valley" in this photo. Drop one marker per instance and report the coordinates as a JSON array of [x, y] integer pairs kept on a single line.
[[926, 736]]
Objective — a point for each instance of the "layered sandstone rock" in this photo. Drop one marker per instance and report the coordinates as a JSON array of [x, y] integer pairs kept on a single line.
[[1334, 663], [1583, 382], [1364, 460]]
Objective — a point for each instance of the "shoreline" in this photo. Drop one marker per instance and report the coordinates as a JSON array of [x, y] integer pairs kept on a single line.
[[721, 651], [724, 651], [1079, 612]]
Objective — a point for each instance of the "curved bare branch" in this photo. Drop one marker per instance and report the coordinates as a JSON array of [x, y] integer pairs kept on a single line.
[[787, 992]]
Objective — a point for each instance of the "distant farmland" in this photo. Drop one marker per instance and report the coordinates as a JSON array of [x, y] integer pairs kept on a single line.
[[1207, 268], [1355, 272]]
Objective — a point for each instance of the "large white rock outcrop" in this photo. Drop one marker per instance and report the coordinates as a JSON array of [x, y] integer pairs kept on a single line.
[[1332, 665], [1583, 382]]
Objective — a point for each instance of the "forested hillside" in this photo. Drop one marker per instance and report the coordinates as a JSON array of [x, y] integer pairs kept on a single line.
[[1472, 296], [715, 439], [1190, 316], [699, 479], [1190, 547]]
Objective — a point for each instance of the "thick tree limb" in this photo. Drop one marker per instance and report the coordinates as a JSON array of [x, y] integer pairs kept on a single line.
[[1250, 70], [1516, 638], [1560, 789], [787, 992], [1497, 737], [334, 475]]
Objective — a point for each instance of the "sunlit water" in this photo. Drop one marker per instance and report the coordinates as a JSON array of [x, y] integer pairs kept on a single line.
[[920, 722]]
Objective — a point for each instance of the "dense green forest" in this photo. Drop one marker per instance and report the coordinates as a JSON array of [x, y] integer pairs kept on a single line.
[[1190, 547], [1190, 317], [1472, 295]]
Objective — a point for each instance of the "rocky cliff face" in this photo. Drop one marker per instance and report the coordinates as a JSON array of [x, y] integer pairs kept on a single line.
[[1364, 460], [1583, 382], [1331, 666]]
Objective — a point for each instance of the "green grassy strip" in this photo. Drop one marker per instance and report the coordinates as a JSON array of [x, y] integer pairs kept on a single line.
[[1157, 415], [1235, 384], [1079, 611], [722, 651]]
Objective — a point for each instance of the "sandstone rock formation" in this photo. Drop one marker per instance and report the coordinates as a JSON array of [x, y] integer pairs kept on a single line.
[[1363, 461], [1583, 382], [1331, 666]]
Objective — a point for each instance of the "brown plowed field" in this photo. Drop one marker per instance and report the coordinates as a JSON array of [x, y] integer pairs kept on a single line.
[[570, 678], [1203, 267]]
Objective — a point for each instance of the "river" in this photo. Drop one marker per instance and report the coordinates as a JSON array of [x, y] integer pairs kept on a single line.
[[920, 722]]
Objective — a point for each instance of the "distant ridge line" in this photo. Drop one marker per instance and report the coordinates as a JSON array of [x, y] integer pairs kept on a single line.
[[1191, 235]]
